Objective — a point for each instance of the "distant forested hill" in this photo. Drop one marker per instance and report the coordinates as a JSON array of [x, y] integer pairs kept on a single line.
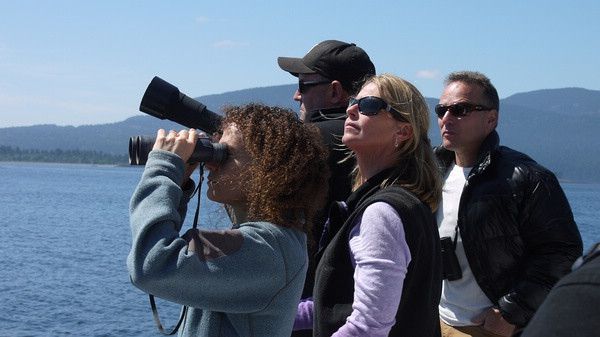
[[557, 127]]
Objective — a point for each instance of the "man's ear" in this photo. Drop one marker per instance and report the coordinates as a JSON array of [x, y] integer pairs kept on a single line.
[[337, 94], [492, 119]]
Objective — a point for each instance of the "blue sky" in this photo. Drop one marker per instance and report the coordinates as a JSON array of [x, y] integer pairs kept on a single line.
[[89, 62]]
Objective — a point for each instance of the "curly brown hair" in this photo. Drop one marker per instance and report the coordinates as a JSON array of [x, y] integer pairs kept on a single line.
[[287, 177]]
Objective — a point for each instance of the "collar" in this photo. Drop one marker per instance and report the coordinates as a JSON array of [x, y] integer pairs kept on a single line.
[[327, 114], [484, 157], [367, 188]]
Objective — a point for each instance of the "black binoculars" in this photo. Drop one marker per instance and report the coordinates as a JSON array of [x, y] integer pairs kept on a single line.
[[204, 152], [450, 267], [163, 100]]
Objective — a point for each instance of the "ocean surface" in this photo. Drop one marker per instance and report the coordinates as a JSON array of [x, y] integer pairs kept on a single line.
[[64, 239]]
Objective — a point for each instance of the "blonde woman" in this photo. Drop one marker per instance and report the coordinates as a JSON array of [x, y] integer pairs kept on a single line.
[[379, 272]]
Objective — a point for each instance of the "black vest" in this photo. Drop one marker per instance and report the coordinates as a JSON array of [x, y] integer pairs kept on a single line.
[[417, 313]]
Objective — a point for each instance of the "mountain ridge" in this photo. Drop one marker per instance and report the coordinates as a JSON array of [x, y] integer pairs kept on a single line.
[[585, 101], [556, 127]]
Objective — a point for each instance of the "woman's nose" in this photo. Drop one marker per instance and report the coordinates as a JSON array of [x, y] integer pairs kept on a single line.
[[352, 111]]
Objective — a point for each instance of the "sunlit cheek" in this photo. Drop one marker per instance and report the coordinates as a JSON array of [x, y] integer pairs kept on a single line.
[[236, 187]]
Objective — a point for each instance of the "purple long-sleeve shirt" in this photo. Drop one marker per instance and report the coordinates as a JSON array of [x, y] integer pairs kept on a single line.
[[380, 256]]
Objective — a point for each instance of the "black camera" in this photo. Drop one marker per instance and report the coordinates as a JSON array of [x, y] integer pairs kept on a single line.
[[450, 267], [163, 100]]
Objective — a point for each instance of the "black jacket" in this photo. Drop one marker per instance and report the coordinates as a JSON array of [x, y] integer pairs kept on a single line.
[[330, 123], [331, 126], [417, 314], [517, 228]]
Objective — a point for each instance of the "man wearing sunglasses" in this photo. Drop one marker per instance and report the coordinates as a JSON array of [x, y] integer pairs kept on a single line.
[[510, 227], [328, 75]]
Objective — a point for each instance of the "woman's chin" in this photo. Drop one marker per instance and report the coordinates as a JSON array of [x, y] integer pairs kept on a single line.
[[350, 141]]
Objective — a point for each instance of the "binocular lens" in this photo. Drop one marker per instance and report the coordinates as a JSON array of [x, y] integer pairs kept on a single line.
[[205, 151]]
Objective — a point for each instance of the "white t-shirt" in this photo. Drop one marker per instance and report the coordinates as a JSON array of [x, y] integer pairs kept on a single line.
[[462, 300]]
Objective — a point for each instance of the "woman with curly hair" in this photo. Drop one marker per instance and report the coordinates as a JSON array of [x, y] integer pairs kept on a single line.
[[245, 281], [379, 272]]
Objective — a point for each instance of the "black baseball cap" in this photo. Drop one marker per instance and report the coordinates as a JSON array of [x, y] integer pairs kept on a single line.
[[335, 60]]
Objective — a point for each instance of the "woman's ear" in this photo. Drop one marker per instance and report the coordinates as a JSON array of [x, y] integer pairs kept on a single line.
[[404, 132]]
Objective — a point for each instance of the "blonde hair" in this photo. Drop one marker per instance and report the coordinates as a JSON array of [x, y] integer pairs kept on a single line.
[[416, 169]]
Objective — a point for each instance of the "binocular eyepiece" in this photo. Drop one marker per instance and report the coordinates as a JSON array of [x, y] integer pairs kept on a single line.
[[204, 152], [163, 100]]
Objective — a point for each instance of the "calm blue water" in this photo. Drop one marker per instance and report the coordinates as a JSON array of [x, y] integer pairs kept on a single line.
[[64, 238]]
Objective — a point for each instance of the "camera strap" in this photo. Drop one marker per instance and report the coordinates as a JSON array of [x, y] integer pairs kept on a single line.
[[157, 318], [183, 315], [198, 191], [455, 238]]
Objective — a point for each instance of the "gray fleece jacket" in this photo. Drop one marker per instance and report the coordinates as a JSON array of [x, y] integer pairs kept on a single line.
[[244, 281]]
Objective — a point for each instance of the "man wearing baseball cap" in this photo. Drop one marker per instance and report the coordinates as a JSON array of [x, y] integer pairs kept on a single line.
[[331, 67], [328, 75]]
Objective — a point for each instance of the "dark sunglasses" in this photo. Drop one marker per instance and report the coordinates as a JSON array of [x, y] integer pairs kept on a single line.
[[371, 105], [458, 109], [302, 86]]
